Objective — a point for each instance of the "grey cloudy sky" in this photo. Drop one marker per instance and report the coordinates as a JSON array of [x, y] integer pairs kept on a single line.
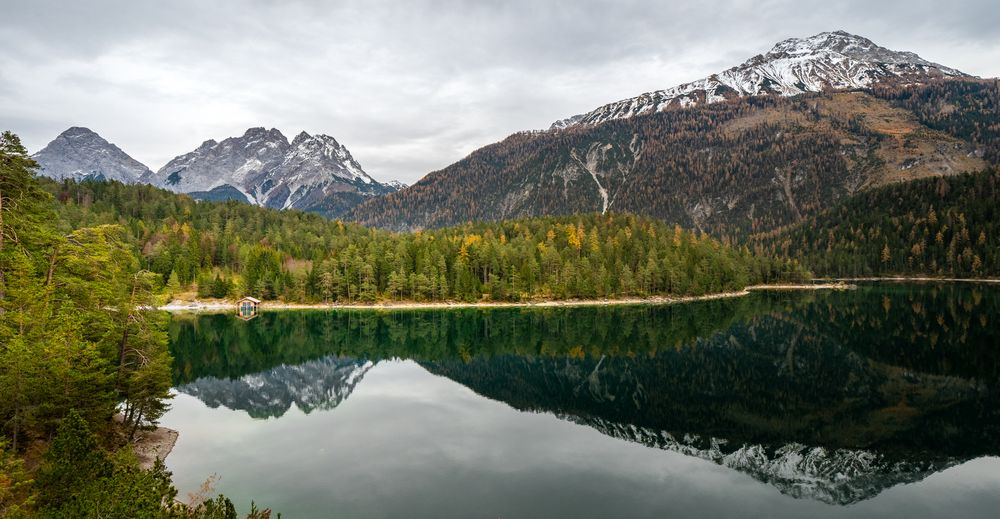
[[409, 86]]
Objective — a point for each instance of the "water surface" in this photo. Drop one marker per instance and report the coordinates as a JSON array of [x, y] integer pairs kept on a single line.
[[880, 401]]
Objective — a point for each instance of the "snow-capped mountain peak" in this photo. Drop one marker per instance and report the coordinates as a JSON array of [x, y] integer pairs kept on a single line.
[[80, 153], [828, 60], [313, 172]]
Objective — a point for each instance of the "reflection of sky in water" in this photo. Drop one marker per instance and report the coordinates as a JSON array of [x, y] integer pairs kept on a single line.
[[407, 443]]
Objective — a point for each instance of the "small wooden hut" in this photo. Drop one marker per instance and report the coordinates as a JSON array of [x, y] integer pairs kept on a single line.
[[246, 308]]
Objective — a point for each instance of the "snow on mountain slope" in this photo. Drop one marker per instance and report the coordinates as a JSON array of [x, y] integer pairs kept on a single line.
[[829, 60], [313, 172], [236, 162], [832, 476], [320, 384], [80, 153]]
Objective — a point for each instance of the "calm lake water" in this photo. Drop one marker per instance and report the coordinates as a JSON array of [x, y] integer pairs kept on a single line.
[[875, 402]]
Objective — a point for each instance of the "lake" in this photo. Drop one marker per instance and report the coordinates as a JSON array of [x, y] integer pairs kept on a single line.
[[879, 401]]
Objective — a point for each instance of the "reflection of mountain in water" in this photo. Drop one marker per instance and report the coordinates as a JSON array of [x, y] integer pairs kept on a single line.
[[828, 396], [317, 384], [835, 476], [769, 398]]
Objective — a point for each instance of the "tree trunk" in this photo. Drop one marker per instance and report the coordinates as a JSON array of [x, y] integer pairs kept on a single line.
[[17, 426], [52, 266], [124, 341], [3, 294], [135, 427]]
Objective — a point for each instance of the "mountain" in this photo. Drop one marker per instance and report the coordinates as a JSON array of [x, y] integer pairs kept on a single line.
[[320, 384], [79, 153], [828, 60], [736, 165], [313, 172]]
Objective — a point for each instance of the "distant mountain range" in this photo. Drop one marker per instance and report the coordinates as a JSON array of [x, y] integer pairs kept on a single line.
[[313, 173], [751, 149]]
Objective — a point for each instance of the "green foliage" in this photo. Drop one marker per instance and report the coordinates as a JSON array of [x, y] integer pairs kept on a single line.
[[216, 345], [72, 462], [78, 341], [236, 249], [79, 479], [16, 492], [947, 226]]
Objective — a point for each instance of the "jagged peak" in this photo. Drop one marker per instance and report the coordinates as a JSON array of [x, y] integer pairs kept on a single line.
[[208, 144], [259, 132], [300, 138], [268, 170], [327, 139]]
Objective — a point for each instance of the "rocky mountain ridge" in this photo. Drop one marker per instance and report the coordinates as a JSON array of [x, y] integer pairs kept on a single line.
[[312, 172], [751, 150], [828, 60]]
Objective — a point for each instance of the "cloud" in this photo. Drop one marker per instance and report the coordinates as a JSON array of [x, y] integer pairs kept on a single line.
[[408, 86]]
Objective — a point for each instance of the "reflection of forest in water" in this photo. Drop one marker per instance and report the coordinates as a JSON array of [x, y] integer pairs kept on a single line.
[[831, 395]]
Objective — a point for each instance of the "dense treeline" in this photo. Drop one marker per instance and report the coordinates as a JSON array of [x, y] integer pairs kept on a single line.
[[969, 110], [84, 364], [947, 226], [231, 249]]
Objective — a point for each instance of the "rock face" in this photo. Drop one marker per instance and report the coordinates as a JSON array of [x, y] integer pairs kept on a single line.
[[79, 153], [828, 60], [313, 172]]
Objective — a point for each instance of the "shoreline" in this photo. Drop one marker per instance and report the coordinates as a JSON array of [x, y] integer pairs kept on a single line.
[[207, 306], [153, 445], [904, 279]]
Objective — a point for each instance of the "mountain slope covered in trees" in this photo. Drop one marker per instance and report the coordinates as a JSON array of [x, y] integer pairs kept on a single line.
[[732, 168], [948, 226]]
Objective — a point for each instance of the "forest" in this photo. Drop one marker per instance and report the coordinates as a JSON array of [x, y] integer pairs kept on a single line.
[[968, 110], [231, 249], [83, 352], [84, 364], [943, 227]]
